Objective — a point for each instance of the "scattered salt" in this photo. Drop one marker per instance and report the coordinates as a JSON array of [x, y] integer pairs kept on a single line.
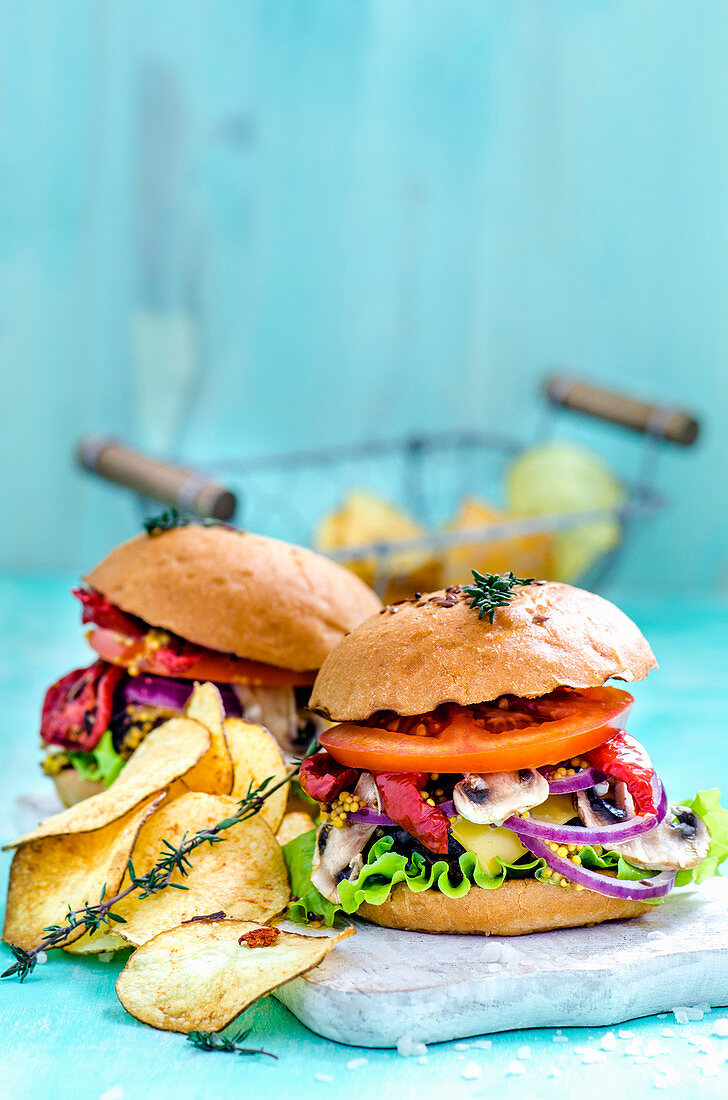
[[422, 1060], [553, 1071], [624, 1034], [462, 1046], [653, 1048], [524, 1053], [41, 957], [409, 1047], [116, 1092], [634, 1046], [472, 1071], [690, 1012], [105, 956], [559, 1038], [357, 1063], [681, 1016], [656, 935], [515, 1069], [668, 1032], [322, 1077], [482, 1044], [662, 1015], [609, 1041], [591, 1057], [721, 1027]]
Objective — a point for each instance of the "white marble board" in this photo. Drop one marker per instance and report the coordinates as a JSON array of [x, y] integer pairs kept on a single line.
[[382, 984]]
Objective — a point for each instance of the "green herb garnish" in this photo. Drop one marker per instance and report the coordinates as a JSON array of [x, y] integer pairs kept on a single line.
[[490, 591], [206, 1040], [171, 518]]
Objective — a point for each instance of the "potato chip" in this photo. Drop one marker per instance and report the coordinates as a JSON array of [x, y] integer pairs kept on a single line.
[[214, 773], [526, 555], [256, 756], [49, 875], [199, 977], [293, 825], [243, 876], [166, 754]]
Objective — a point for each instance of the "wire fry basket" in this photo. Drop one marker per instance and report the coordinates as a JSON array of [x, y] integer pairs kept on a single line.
[[424, 475]]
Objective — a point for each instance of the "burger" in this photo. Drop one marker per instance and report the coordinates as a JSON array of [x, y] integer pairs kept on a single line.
[[480, 777], [186, 602]]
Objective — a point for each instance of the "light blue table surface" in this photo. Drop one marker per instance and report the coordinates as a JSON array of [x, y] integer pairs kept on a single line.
[[64, 1034]]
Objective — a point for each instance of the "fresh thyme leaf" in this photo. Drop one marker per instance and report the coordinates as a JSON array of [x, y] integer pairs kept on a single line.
[[171, 518], [489, 591], [25, 962], [206, 1040]]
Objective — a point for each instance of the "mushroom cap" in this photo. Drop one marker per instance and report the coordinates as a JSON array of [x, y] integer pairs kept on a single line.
[[257, 597], [415, 655]]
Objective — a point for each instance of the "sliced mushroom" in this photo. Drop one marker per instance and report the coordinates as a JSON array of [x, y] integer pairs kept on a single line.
[[338, 851], [680, 842], [272, 707], [490, 799]]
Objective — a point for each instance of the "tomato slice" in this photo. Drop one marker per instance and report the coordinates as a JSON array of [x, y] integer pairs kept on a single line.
[[220, 667], [563, 724]]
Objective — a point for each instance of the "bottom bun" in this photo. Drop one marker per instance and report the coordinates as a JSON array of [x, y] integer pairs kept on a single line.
[[516, 908], [72, 789]]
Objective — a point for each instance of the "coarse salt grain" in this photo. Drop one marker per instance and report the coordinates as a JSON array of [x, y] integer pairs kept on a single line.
[[515, 1069], [322, 1077], [655, 935], [654, 1048], [624, 1034], [553, 1071], [524, 1053], [462, 1046], [609, 1041], [116, 1092], [409, 1047], [559, 1038], [357, 1063], [472, 1071], [668, 1032], [482, 1044], [591, 1057], [721, 1027], [41, 957]]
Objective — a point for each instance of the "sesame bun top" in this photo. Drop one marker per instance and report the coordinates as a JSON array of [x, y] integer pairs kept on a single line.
[[417, 654], [235, 592]]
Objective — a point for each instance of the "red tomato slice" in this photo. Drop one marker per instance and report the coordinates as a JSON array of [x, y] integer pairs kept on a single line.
[[562, 725], [220, 667]]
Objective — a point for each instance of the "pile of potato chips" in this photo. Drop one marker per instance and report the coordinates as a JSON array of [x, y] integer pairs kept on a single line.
[[189, 972]]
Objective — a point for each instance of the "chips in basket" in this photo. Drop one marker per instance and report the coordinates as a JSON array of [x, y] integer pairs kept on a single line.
[[200, 976], [256, 756]]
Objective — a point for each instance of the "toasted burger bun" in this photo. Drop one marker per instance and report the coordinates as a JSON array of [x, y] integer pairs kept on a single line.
[[411, 657], [228, 590], [513, 909], [72, 789]]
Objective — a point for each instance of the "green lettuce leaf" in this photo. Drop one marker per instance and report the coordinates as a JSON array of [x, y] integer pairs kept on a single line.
[[706, 804], [298, 854], [102, 765]]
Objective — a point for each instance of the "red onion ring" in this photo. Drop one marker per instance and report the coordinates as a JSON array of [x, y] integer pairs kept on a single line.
[[587, 777], [604, 834], [639, 890], [166, 691]]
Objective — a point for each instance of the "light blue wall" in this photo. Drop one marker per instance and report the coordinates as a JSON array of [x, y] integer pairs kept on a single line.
[[239, 227]]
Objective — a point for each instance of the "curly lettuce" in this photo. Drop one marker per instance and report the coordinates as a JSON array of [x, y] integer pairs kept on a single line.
[[103, 764], [384, 869]]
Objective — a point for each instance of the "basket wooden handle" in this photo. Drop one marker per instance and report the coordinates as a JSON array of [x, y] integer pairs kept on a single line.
[[181, 488], [671, 424]]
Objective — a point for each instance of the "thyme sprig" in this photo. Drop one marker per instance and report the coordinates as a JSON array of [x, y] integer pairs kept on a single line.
[[490, 591], [171, 518], [224, 1044], [88, 919]]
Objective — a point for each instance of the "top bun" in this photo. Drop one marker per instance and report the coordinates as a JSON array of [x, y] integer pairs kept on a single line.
[[414, 656], [252, 596]]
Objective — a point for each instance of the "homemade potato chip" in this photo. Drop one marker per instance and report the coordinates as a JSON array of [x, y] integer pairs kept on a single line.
[[256, 756], [526, 555], [199, 977], [293, 825], [166, 754], [243, 876], [49, 875], [214, 773]]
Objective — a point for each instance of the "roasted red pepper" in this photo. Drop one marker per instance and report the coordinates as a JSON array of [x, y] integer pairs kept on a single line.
[[624, 758], [78, 707], [323, 779], [97, 609], [402, 802]]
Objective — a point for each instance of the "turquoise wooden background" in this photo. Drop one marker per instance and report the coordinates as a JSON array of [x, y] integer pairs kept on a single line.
[[235, 227]]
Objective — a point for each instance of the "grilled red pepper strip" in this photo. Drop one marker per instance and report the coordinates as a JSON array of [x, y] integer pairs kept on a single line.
[[97, 609], [323, 779], [624, 758], [402, 802], [77, 708]]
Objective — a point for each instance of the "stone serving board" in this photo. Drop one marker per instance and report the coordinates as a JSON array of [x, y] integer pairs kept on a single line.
[[382, 984]]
